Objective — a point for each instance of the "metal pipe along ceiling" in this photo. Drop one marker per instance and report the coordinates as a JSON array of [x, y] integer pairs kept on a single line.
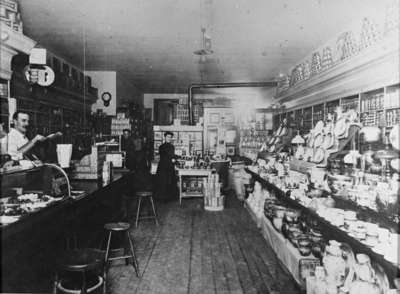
[[221, 85]]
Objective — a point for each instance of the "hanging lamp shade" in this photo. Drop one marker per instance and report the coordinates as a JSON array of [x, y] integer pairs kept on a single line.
[[298, 139], [386, 153]]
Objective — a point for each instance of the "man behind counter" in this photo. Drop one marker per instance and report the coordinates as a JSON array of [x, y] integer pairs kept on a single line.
[[18, 143]]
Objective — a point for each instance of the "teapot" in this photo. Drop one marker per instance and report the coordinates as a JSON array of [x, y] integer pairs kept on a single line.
[[365, 277]]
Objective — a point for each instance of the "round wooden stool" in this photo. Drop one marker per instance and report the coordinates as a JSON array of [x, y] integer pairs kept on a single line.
[[145, 195], [124, 228], [81, 271]]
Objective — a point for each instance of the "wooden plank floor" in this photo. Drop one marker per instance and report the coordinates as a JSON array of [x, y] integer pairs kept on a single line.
[[194, 251]]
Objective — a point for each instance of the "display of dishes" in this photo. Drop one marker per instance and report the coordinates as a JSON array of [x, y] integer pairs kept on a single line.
[[279, 211], [329, 141], [340, 127], [317, 249], [319, 155], [371, 133], [278, 131], [292, 216], [310, 140], [304, 245], [319, 126], [271, 148], [394, 137], [305, 250], [283, 131], [271, 140], [301, 231], [316, 237], [308, 154], [319, 139], [395, 164], [277, 222]]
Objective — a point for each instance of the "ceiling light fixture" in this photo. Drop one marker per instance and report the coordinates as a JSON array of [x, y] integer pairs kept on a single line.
[[206, 45]]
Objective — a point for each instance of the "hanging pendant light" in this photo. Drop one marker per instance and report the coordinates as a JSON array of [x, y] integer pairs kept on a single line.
[[206, 44]]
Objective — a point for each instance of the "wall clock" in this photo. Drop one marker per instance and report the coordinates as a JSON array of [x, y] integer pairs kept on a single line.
[[106, 97]]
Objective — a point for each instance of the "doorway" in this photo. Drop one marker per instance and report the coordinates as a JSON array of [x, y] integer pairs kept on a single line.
[[164, 111]]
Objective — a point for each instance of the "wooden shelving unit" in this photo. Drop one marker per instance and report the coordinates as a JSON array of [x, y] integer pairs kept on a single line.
[[51, 107], [318, 112], [4, 94], [351, 84], [378, 107], [307, 119], [330, 107]]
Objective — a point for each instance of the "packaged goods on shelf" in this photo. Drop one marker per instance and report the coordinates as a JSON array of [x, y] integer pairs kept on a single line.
[[118, 125], [10, 16], [188, 140]]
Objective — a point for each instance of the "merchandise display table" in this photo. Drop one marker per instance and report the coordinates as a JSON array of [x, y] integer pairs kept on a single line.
[[285, 251], [183, 172]]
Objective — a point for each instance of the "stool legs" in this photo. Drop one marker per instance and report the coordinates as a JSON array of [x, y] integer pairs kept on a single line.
[[138, 212], [146, 217], [108, 246], [55, 283], [135, 264], [83, 289], [125, 256], [154, 210]]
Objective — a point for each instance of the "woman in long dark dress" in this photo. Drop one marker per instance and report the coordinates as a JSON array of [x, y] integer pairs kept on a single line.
[[165, 178]]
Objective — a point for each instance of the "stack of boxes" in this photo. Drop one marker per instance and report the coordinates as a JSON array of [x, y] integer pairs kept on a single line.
[[10, 16], [213, 200]]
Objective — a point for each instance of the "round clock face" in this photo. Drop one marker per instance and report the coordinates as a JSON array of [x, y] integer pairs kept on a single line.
[[106, 97]]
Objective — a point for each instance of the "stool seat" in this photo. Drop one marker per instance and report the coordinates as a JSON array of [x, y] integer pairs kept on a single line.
[[71, 288], [80, 271], [81, 259], [144, 193], [120, 226]]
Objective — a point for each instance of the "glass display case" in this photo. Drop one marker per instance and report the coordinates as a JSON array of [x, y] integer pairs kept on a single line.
[[25, 192]]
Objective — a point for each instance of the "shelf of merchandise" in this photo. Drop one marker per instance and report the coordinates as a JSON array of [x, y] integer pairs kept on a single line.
[[383, 113], [196, 134], [378, 217], [4, 116], [330, 107], [307, 118], [330, 231], [318, 112], [298, 117]]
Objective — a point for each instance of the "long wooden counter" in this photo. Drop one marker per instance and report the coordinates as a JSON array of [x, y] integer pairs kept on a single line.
[[31, 245]]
